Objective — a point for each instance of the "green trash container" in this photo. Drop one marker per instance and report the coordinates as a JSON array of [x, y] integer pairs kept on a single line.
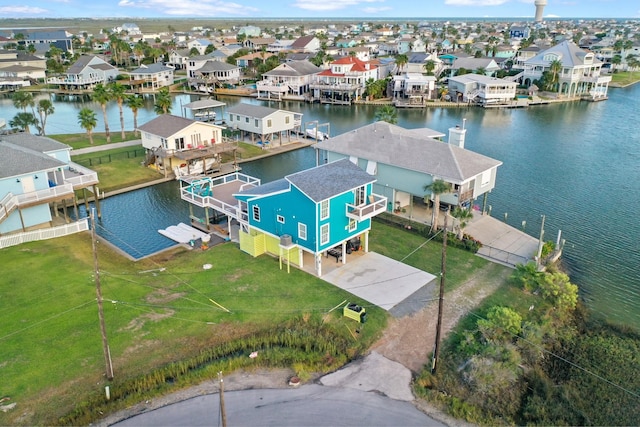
[[355, 312]]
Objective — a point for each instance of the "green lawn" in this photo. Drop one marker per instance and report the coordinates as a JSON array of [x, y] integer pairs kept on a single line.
[[118, 168], [625, 78], [81, 140], [157, 310]]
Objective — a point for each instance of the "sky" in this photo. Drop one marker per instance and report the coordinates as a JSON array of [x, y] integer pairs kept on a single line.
[[357, 9]]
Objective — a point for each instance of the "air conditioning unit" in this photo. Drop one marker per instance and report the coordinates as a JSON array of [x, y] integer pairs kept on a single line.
[[285, 240]]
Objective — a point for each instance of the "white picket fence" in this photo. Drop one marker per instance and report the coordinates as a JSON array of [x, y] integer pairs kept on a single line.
[[44, 234]]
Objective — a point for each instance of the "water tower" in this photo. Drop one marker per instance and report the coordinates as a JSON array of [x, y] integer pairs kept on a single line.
[[540, 4]]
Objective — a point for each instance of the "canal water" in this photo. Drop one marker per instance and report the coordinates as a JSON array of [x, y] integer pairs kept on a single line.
[[578, 164]]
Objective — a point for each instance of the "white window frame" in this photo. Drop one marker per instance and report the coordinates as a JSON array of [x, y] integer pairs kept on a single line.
[[324, 209], [324, 234], [353, 224], [302, 231], [255, 213], [280, 219], [360, 196]]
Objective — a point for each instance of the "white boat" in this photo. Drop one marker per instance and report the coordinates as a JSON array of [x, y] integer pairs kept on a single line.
[[316, 134], [195, 167], [205, 115]]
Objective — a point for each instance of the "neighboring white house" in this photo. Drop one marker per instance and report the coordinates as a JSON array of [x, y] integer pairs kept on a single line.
[[264, 123], [413, 89], [212, 74], [290, 80], [482, 89], [178, 58], [152, 76], [85, 73], [191, 146], [200, 44], [581, 73], [344, 82]]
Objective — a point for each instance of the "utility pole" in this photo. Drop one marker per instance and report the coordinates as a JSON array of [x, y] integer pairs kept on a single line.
[[443, 271], [223, 413], [96, 273]]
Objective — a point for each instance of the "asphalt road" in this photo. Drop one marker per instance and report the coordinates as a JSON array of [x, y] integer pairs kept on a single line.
[[309, 405]]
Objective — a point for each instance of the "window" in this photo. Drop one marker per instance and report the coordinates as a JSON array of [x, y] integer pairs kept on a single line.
[[179, 143], [256, 213], [246, 119], [324, 234], [486, 178], [372, 167], [286, 120], [360, 196], [324, 209], [256, 123], [352, 224], [237, 117], [302, 231], [280, 219], [268, 123]]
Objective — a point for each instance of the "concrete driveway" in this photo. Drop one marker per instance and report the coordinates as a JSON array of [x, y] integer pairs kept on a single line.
[[384, 282]]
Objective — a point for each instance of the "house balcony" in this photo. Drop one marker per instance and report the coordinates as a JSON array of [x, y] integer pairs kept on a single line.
[[73, 80], [38, 197], [270, 86], [377, 204], [217, 193], [323, 86], [76, 175], [596, 79]]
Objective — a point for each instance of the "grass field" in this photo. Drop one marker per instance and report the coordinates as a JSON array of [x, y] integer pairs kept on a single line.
[[156, 310]]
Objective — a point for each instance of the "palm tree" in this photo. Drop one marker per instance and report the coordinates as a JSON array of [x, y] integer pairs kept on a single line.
[[401, 61], [45, 108], [387, 113], [23, 121], [22, 100], [463, 216], [116, 91], [555, 67], [437, 187], [135, 103], [102, 96], [429, 66], [163, 101], [615, 60], [88, 121]]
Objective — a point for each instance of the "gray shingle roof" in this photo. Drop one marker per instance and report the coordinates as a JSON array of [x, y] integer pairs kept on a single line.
[[212, 65], [41, 144], [332, 179], [409, 149], [166, 125], [570, 55], [294, 68], [250, 110], [151, 69], [18, 160]]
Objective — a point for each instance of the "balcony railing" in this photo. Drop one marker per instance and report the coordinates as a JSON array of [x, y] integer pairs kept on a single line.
[[43, 196], [377, 204], [79, 176]]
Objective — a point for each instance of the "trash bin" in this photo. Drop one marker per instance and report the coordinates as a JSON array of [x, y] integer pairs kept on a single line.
[[355, 312]]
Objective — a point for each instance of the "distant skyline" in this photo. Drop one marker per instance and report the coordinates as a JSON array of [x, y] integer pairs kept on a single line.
[[349, 9]]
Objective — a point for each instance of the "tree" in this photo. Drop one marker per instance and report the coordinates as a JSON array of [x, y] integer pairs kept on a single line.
[[463, 216], [45, 109], [88, 121], [22, 100], [615, 60], [102, 96], [502, 324], [437, 187], [117, 93], [163, 101], [23, 121], [429, 66], [387, 113], [194, 52], [401, 61], [135, 103], [555, 67]]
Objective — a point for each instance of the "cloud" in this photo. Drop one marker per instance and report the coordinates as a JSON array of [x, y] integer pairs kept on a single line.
[[21, 10], [325, 5], [212, 8], [475, 2], [374, 10]]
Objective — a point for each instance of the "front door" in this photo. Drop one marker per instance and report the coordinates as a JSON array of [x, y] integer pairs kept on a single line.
[[27, 184]]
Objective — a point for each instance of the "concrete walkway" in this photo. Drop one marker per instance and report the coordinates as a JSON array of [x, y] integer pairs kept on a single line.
[[105, 147]]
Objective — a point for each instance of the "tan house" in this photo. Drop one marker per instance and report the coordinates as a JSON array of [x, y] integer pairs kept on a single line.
[[263, 124]]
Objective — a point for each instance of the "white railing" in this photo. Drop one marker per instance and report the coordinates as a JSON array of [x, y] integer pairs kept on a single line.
[[44, 195], [84, 176], [362, 212], [76, 81], [44, 234], [8, 203]]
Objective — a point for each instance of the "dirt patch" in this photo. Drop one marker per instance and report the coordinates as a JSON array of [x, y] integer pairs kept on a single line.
[[137, 323], [162, 296], [409, 340]]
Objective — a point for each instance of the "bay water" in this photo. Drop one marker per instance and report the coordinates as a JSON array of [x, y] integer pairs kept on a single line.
[[578, 164]]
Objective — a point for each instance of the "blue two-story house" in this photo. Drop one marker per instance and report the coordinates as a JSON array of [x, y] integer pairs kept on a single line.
[[301, 217], [37, 184]]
